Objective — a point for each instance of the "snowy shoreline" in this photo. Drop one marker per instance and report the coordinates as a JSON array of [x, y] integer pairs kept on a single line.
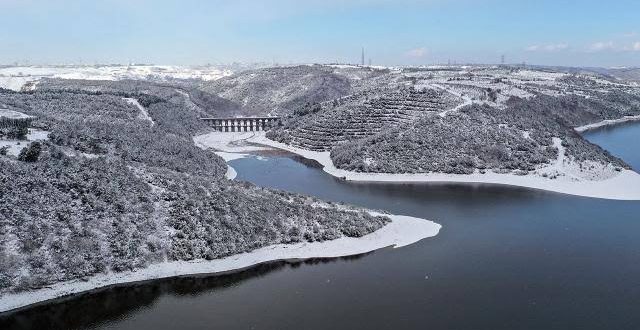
[[625, 185], [228, 156], [607, 122], [402, 231]]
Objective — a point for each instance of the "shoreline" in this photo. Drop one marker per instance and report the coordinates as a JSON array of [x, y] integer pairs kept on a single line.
[[607, 122], [623, 186], [401, 231], [231, 173]]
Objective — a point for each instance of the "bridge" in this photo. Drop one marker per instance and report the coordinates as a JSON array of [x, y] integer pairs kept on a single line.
[[242, 124]]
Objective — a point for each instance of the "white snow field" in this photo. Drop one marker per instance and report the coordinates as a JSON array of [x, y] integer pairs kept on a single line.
[[228, 141], [563, 176], [401, 231], [15, 146], [17, 77]]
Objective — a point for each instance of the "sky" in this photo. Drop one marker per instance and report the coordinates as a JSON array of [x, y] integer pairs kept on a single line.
[[400, 32]]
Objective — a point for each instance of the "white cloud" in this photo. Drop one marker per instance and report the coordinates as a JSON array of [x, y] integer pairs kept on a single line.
[[418, 52], [630, 34], [547, 47], [611, 46], [601, 46]]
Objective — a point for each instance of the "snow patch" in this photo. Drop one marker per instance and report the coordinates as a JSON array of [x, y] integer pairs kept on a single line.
[[467, 100], [606, 123], [229, 141], [144, 114], [369, 161], [15, 146]]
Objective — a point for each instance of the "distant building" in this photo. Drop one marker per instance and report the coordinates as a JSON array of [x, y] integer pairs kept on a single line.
[[11, 118]]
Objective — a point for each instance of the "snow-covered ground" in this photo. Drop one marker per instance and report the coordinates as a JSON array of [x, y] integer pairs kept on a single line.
[[229, 141], [539, 75], [467, 100], [144, 114], [229, 156], [16, 77], [607, 123], [562, 176], [402, 231], [15, 146], [228, 146]]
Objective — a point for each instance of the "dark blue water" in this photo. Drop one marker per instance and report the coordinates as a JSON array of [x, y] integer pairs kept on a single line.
[[506, 258], [622, 140]]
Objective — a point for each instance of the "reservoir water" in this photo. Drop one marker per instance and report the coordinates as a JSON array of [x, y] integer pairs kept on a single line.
[[506, 258]]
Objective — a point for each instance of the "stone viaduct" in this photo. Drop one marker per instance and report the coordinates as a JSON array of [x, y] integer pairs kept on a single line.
[[242, 124]]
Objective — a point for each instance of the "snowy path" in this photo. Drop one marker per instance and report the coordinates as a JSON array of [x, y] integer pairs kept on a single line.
[[188, 100], [467, 100], [562, 151], [144, 114], [561, 166]]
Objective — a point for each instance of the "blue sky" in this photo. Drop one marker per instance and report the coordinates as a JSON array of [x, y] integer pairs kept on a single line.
[[401, 32]]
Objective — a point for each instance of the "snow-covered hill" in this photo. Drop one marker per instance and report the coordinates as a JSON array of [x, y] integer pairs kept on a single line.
[[19, 77]]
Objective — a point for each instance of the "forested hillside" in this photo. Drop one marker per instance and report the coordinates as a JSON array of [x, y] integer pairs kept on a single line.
[[280, 91], [110, 191], [464, 119], [516, 138]]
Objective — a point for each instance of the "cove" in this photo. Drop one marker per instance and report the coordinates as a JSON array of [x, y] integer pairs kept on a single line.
[[506, 258]]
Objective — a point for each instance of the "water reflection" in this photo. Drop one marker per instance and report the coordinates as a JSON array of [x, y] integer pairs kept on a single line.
[[108, 305], [506, 258], [619, 140]]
